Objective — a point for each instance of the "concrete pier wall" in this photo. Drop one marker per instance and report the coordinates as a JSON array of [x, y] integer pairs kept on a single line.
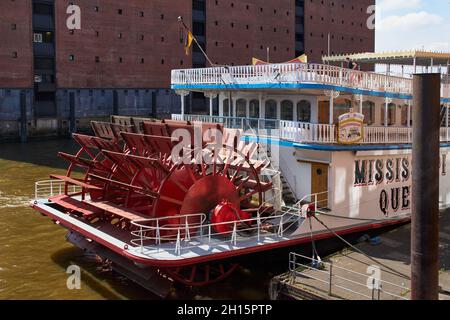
[[76, 108]]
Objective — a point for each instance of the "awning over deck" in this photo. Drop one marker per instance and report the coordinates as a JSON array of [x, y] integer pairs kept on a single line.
[[412, 57]]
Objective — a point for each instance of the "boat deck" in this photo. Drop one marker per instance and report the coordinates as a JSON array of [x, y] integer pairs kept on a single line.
[[143, 245]]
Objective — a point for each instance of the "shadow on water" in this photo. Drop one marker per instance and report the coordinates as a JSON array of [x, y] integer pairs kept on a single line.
[[106, 284], [41, 153]]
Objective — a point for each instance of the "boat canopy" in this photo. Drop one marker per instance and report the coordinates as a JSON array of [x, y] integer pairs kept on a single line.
[[411, 57]]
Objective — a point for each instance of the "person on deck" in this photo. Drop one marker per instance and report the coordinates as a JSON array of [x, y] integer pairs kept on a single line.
[[352, 76], [351, 65]]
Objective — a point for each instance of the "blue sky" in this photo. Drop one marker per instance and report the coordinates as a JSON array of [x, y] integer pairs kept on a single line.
[[413, 24]]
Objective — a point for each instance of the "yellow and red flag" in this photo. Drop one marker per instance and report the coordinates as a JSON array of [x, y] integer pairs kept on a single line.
[[188, 42]]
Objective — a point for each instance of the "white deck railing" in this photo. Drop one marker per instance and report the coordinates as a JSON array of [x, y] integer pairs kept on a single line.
[[295, 73], [52, 188], [302, 132]]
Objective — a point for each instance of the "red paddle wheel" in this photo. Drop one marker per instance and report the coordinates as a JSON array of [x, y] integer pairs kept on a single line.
[[136, 173]]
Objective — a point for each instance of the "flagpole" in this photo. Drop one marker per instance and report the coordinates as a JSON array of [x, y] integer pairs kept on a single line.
[[180, 19]]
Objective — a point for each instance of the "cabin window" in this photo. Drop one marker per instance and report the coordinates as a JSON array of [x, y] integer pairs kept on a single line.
[[392, 114], [304, 111], [369, 112], [241, 106], [271, 109], [226, 108], [287, 110], [341, 106], [405, 115], [254, 109], [392, 117]]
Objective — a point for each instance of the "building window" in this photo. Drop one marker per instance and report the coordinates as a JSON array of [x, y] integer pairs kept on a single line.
[[120, 11], [120, 35], [141, 14], [142, 60], [120, 59], [96, 9], [14, 54], [97, 59], [71, 57], [162, 61], [13, 26]]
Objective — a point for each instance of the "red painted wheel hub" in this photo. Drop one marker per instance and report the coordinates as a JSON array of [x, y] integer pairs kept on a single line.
[[227, 212]]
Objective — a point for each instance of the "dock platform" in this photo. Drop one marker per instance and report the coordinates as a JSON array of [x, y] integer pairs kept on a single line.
[[351, 275]]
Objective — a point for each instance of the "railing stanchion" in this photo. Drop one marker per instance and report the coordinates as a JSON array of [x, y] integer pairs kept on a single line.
[[188, 235], [178, 244], [258, 217], [209, 233], [142, 238], [158, 234]]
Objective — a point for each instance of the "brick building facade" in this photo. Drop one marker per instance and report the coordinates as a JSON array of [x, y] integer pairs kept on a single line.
[[56, 80]]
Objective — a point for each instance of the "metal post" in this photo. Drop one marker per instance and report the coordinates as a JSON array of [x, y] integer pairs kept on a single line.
[[331, 279], [211, 99], [373, 288], [329, 45], [386, 112], [425, 191], [182, 105], [361, 101], [409, 113], [446, 120], [331, 107]]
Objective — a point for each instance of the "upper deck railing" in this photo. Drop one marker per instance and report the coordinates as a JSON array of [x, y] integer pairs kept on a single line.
[[293, 73], [304, 132]]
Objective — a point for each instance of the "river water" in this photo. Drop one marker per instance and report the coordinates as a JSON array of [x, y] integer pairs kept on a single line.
[[34, 255]]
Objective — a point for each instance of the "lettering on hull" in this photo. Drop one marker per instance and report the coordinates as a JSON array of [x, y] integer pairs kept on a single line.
[[388, 171]]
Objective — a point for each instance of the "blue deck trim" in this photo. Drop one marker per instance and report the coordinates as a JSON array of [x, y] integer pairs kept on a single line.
[[297, 86], [329, 147]]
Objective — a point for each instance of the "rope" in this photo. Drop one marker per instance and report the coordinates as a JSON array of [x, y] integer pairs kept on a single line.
[[315, 254], [349, 218], [361, 252]]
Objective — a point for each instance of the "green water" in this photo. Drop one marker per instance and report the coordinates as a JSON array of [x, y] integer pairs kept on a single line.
[[34, 255]]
